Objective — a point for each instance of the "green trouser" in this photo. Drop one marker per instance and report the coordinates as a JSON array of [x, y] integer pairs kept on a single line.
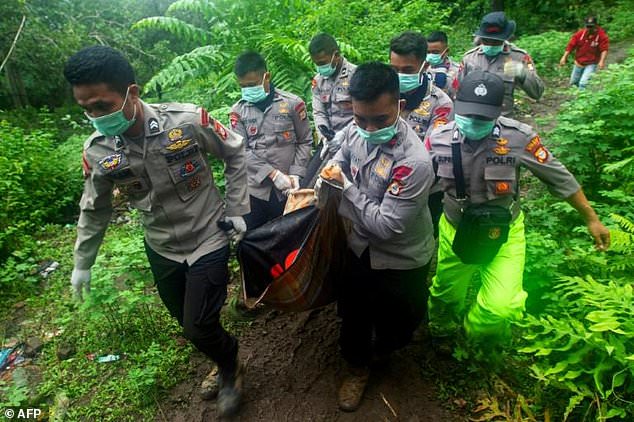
[[500, 298]]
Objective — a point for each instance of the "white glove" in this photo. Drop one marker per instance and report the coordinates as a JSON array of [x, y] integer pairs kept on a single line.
[[294, 182], [317, 189], [80, 280], [239, 225], [333, 145], [281, 181], [515, 69]]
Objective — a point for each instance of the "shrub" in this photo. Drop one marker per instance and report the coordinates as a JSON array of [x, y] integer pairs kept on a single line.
[[40, 181]]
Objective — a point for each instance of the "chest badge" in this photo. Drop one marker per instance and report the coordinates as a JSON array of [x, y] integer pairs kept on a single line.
[[501, 150], [178, 145], [382, 167], [253, 130], [175, 134], [110, 162]]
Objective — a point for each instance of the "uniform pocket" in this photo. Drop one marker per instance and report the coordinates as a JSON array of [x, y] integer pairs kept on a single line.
[[285, 132], [343, 101], [500, 181], [189, 176]]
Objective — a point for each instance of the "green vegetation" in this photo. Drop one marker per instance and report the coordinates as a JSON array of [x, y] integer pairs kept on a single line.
[[572, 356]]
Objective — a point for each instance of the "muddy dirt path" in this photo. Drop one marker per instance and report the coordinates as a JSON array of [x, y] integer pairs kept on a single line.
[[293, 371]]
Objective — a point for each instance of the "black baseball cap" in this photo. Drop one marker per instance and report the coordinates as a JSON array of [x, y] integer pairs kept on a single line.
[[591, 21], [495, 26], [480, 94]]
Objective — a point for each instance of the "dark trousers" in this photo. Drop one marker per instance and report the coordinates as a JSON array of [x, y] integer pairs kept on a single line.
[[381, 305], [434, 202], [194, 295], [264, 211]]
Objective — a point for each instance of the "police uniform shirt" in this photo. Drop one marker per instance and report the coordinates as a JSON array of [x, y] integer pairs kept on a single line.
[[435, 110], [450, 70], [491, 166], [387, 202], [332, 105], [277, 139], [167, 178], [531, 83]]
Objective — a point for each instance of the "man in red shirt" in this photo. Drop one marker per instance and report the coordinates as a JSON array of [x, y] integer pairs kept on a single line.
[[591, 49]]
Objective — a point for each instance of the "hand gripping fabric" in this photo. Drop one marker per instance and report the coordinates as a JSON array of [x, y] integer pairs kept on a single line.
[[290, 263]]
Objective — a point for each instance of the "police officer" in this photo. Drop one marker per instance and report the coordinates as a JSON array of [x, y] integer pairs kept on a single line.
[[278, 138], [386, 174], [496, 55], [426, 106], [332, 106], [157, 154], [492, 149], [444, 70]]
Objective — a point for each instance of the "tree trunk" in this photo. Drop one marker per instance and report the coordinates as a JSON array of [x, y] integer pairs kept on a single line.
[[497, 5], [16, 87]]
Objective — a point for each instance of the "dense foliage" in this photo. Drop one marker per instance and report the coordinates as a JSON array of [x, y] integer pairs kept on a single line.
[[577, 336], [40, 178], [580, 333]]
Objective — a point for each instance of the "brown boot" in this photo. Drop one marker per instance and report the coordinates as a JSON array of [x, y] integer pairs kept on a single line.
[[352, 388], [209, 386]]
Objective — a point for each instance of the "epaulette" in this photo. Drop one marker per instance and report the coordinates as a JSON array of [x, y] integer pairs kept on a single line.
[[289, 96], [514, 124], [516, 49], [182, 107], [93, 137], [473, 50]]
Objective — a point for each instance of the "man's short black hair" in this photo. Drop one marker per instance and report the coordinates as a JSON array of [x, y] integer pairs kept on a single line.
[[373, 79], [249, 61], [322, 43], [100, 64], [437, 36], [409, 42]]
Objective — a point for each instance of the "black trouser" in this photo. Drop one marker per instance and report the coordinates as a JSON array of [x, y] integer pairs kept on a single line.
[[194, 295], [434, 202], [387, 303], [264, 211]]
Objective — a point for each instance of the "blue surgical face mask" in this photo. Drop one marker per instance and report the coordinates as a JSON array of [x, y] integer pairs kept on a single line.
[[434, 59], [254, 94], [492, 50], [410, 81], [114, 123], [379, 136], [474, 129], [326, 70]]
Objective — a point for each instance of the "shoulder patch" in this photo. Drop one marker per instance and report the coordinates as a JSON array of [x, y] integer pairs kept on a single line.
[[85, 165], [234, 118], [204, 117], [220, 130], [401, 172], [300, 108]]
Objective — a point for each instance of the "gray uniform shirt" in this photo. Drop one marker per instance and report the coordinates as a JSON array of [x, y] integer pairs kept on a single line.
[[387, 202], [332, 105], [436, 109], [167, 177], [491, 166], [531, 83], [451, 69], [278, 138]]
